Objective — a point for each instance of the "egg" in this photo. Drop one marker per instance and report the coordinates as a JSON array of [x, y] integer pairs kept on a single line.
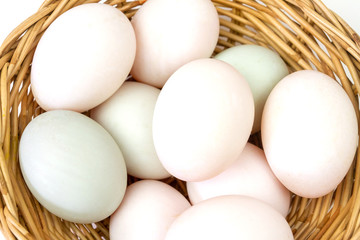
[[309, 133], [262, 69], [127, 116], [148, 209], [170, 33], [230, 217], [249, 175], [202, 119], [72, 166], [82, 58]]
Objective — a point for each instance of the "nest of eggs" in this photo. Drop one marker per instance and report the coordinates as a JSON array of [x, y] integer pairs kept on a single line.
[[305, 34]]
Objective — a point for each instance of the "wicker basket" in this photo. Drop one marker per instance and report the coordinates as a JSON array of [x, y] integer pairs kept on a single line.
[[304, 32]]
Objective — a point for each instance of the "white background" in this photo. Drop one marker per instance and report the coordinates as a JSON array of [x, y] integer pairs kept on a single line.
[[12, 13]]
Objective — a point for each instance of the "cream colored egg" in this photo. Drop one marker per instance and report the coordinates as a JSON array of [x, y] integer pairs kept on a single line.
[[249, 175], [170, 33], [72, 166], [148, 209], [309, 133], [262, 69], [127, 115], [202, 119], [230, 217], [82, 58]]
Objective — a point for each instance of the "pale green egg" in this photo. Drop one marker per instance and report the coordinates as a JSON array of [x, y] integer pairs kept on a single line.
[[72, 166], [261, 67]]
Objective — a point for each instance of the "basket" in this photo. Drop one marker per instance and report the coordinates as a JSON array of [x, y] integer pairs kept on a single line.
[[305, 33]]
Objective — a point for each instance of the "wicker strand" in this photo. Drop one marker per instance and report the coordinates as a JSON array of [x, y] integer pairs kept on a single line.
[[345, 42], [18, 31]]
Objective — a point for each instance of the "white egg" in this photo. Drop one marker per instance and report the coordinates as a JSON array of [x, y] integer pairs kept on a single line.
[[82, 58], [72, 166], [230, 217], [170, 33], [148, 209], [202, 119], [309, 133], [127, 115], [249, 175]]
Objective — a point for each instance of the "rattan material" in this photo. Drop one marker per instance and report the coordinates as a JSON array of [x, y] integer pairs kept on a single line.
[[299, 30]]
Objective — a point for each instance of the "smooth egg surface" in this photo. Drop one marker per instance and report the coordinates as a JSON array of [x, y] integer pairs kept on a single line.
[[72, 166], [148, 209], [170, 33], [128, 115], [230, 217], [261, 67], [309, 133], [202, 119], [249, 175], [82, 58]]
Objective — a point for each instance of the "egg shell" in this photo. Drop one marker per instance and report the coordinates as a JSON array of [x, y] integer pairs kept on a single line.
[[127, 116], [230, 217], [309, 133], [202, 119], [72, 166], [249, 175], [170, 33], [262, 69], [82, 58], [148, 209]]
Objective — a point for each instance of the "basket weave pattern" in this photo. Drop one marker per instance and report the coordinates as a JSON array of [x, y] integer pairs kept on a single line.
[[304, 32]]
